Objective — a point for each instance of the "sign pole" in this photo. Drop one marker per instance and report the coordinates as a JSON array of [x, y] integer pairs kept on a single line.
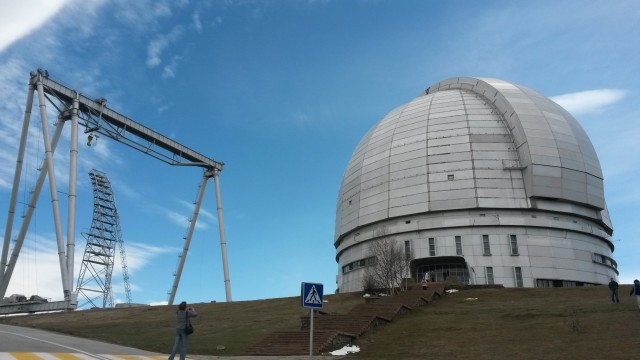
[[311, 296], [311, 336]]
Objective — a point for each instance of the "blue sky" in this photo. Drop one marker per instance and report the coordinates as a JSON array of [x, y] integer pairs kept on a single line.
[[282, 91]]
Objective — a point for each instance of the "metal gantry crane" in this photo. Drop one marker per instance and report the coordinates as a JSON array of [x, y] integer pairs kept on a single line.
[[104, 235], [96, 118]]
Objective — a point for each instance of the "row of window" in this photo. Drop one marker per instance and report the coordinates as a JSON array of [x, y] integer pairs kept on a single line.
[[358, 264], [605, 260], [517, 273], [436, 272], [489, 274], [486, 246], [549, 283]]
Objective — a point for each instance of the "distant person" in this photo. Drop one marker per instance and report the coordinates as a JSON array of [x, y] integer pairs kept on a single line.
[[613, 286], [635, 290], [426, 276], [425, 285], [182, 318]]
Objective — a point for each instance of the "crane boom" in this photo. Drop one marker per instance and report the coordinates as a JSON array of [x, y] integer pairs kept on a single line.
[[98, 118]]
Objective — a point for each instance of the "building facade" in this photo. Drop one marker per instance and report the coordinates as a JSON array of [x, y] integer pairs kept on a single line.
[[481, 179]]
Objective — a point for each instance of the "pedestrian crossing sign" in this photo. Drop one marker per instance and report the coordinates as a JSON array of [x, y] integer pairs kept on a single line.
[[312, 295]]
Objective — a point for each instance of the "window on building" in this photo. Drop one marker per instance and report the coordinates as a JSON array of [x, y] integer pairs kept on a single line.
[[605, 260], [407, 250], [489, 270], [514, 245], [458, 245], [518, 273], [432, 246], [486, 246], [358, 264]]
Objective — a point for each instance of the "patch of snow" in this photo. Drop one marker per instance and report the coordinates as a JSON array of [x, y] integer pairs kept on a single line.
[[346, 350], [470, 299], [451, 291], [366, 295]]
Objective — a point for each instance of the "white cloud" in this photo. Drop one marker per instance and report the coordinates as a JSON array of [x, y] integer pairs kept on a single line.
[[12, 82], [183, 220], [19, 18], [137, 255], [159, 44], [197, 24], [142, 14], [161, 9], [37, 271], [101, 148], [301, 118], [203, 212], [588, 101], [319, 2], [169, 71]]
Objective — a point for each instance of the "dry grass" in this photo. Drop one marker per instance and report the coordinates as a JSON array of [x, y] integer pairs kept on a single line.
[[564, 323], [575, 323], [235, 325]]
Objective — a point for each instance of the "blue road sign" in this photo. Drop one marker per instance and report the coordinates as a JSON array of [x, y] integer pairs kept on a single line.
[[312, 295]]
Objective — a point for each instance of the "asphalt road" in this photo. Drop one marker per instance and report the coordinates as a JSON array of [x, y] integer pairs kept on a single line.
[[22, 339], [28, 341]]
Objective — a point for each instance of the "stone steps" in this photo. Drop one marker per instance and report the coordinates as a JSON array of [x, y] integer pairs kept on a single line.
[[333, 332], [352, 324], [282, 343]]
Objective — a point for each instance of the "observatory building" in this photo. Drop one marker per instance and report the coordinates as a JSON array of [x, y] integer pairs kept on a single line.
[[480, 180]]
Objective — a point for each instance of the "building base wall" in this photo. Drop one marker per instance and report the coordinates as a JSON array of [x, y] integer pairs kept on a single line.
[[517, 250]]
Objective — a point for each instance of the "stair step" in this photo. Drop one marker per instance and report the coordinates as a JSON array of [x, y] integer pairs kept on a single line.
[[333, 332]]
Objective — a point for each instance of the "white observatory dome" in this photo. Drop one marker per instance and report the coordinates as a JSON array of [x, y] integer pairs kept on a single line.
[[480, 179]]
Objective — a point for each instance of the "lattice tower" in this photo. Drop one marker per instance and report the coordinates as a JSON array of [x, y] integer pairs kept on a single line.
[[94, 280]]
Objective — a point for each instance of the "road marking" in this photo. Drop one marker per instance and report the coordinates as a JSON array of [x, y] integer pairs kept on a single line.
[[52, 343], [72, 356]]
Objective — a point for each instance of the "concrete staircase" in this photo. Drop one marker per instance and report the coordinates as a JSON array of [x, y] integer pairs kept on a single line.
[[282, 343], [331, 332]]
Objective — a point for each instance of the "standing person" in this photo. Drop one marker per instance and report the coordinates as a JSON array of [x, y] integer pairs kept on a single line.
[[635, 290], [182, 317], [613, 286]]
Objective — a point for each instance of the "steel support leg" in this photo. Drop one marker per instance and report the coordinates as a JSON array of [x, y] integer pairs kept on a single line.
[[54, 191], [187, 242], [27, 217], [223, 242], [16, 185], [71, 217]]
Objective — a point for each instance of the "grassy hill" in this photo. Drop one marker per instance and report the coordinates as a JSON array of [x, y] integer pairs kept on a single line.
[[563, 323]]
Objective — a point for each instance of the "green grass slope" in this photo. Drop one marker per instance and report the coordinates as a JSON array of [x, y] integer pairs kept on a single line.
[[564, 323]]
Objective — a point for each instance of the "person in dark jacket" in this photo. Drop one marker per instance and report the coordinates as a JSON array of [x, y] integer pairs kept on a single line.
[[182, 318], [613, 286], [635, 290]]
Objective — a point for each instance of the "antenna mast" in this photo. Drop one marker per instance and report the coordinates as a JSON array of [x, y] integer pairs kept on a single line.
[[94, 281]]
